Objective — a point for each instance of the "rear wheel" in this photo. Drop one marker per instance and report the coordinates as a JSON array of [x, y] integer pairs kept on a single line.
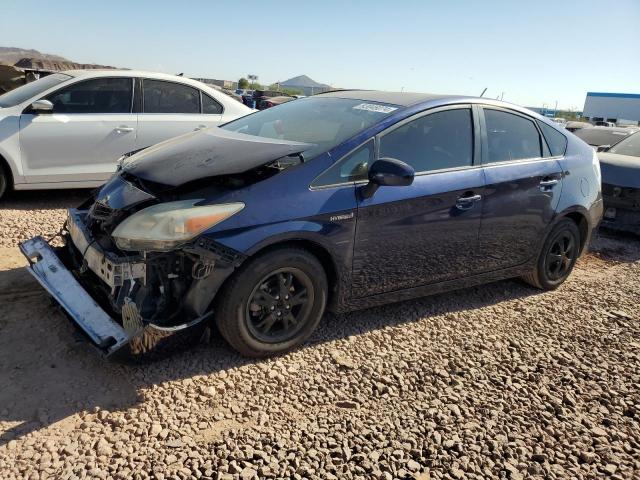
[[4, 180], [273, 303], [558, 256]]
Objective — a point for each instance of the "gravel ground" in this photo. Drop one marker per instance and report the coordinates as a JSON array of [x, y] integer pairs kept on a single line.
[[25, 214], [498, 381]]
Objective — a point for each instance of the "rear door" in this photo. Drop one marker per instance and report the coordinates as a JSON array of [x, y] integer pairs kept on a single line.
[[524, 182], [91, 126], [426, 232], [170, 109]]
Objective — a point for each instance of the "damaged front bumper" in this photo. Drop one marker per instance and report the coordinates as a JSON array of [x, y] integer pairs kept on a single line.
[[128, 337], [56, 279]]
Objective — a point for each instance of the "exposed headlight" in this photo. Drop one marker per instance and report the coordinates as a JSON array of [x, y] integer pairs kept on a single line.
[[163, 227]]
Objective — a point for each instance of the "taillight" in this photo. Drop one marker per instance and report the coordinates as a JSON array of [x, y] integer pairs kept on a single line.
[[269, 104]]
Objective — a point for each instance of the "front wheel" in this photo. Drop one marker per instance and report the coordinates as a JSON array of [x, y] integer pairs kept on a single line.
[[273, 303], [558, 256]]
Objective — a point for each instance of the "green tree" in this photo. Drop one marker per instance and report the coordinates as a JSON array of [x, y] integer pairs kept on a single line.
[[243, 83]]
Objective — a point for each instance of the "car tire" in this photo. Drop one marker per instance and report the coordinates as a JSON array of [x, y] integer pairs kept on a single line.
[[557, 257], [272, 303], [4, 180]]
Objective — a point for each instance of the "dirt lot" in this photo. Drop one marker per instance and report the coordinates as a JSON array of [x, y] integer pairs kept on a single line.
[[498, 381]]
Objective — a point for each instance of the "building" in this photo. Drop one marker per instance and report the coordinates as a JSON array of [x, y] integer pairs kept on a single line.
[[612, 107], [305, 84]]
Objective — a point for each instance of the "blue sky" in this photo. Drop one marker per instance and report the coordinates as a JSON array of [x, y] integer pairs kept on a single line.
[[535, 52]]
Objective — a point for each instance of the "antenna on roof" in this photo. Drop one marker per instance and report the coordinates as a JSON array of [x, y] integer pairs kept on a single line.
[[485, 89], [180, 74]]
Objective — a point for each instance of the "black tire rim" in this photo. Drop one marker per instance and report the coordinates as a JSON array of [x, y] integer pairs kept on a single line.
[[279, 305], [560, 256]]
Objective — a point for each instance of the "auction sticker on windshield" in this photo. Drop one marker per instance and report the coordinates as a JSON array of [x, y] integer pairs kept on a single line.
[[374, 107]]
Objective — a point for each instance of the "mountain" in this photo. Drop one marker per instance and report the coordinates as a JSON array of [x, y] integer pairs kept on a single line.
[[33, 59], [302, 81], [11, 55]]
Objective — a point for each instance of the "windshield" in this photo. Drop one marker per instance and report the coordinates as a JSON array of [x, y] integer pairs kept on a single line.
[[322, 121], [30, 90], [597, 137], [628, 146]]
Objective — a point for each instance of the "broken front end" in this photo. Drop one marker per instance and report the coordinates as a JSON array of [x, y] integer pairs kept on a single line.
[[132, 303], [137, 270]]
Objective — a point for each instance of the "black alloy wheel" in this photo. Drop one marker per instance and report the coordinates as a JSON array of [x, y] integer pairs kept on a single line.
[[273, 302], [558, 256], [279, 305], [561, 255]]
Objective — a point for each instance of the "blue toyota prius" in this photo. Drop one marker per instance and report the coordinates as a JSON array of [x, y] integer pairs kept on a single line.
[[339, 201]]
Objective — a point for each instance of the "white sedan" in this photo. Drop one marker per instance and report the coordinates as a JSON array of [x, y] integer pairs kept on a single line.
[[67, 130]]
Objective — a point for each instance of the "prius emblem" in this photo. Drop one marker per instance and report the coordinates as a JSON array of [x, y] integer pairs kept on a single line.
[[345, 216]]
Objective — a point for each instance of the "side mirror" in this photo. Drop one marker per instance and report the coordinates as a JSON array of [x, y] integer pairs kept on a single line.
[[388, 172], [603, 148], [42, 106]]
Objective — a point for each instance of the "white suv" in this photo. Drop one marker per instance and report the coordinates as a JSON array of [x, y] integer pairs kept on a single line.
[[67, 130]]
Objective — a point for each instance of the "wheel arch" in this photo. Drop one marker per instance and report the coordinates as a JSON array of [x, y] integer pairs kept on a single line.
[[580, 219], [313, 247]]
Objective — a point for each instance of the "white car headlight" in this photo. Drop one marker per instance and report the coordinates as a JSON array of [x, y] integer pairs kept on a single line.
[[164, 226]]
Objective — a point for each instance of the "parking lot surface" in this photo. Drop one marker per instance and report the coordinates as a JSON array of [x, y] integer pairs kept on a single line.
[[496, 381]]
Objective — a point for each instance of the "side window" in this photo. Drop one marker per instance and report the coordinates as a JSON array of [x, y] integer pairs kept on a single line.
[[433, 142], [209, 105], [557, 141], [351, 168], [99, 95], [169, 97], [510, 137]]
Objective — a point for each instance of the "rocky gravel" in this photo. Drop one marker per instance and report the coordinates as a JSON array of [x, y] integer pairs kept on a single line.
[[498, 381], [25, 214]]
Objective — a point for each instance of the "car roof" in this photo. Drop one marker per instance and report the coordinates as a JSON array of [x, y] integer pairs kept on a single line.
[[404, 99], [108, 72]]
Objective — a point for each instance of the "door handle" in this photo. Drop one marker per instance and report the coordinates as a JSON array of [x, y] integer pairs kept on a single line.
[[123, 129], [199, 127], [547, 183], [467, 202]]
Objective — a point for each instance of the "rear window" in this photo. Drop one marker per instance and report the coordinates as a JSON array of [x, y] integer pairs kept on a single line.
[[600, 136], [209, 105], [628, 146], [511, 137], [170, 97], [556, 141]]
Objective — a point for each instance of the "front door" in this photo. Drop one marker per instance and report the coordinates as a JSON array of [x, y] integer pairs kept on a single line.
[[91, 126], [426, 232], [170, 109], [523, 189]]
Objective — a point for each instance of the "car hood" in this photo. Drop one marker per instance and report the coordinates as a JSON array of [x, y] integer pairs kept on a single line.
[[620, 170], [207, 153]]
